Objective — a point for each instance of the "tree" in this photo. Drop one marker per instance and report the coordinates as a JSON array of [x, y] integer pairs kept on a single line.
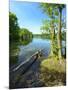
[[13, 27], [45, 28], [49, 9], [54, 12], [59, 9], [25, 34]]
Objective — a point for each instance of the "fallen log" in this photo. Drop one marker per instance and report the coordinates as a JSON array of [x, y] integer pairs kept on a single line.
[[23, 67], [33, 57]]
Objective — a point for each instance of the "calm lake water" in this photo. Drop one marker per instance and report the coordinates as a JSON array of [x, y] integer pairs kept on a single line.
[[35, 45], [29, 48]]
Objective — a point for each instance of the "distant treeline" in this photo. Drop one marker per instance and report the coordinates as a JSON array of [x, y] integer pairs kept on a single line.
[[15, 32], [48, 36], [17, 36], [25, 34]]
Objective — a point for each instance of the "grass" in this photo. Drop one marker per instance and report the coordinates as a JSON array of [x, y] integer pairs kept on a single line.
[[53, 73]]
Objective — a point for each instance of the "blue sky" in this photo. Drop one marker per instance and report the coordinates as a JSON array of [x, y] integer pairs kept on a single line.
[[29, 15]]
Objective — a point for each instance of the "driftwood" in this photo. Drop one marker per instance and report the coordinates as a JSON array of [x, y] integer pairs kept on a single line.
[[31, 59], [23, 67]]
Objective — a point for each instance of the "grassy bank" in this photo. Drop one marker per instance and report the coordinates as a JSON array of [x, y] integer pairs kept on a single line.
[[53, 72]]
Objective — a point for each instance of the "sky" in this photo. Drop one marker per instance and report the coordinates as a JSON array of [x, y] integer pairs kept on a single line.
[[29, 15]]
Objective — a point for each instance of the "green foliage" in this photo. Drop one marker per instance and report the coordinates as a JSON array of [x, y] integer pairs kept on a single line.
[[15, 32], [45, 28], [26, 42], [49, 25], [48, 9], [17, 36], [13, 27], [54, 25], [25, 34], [24, 31], [64, 35]]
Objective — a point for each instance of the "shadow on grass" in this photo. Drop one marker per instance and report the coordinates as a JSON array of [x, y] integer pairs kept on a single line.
[[53, 78], [53, 73]]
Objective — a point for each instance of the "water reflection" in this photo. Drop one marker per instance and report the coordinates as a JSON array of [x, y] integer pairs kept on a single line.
[[14, 51], [31, 48], [26, 42], [21, 51]]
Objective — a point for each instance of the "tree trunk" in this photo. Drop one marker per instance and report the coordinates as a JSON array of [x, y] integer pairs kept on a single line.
[[52, 38], [59, 36]]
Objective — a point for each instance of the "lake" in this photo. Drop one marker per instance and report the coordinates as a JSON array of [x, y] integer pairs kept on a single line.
[[35, 45], [30, 47], [20, 77]]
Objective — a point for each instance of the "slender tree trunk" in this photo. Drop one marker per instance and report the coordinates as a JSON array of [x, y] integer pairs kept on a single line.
[[59, 36], [52, 38]]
